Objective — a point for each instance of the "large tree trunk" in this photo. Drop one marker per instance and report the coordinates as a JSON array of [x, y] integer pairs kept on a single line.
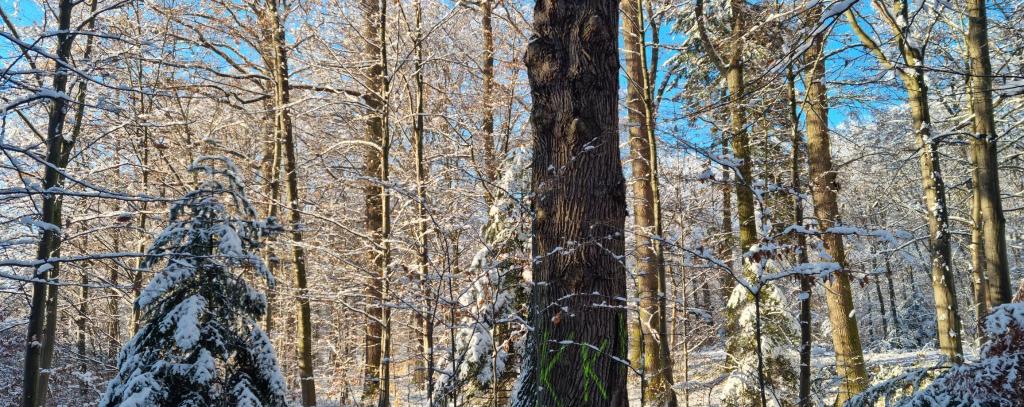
[[806, 281], [576, 349], [283, 123], [947, 313], [58, 149], [845, 337], [378, 218], [986, 161], [657, 362]]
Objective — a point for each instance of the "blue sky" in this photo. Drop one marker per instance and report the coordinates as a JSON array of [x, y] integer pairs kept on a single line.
[[838, 112], [29, 12], [22, 12]]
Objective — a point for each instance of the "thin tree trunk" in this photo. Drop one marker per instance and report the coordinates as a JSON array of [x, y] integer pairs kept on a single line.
[[58, 150], [576, 348], [986, 161], [83, 318], [490, 165], [113, 308], [425, 317], [378, 220], [806, 281], [272, 158], [681, 286], [283, 122], [845, 336], [657, 362], [892, 296], [881, 306], [138, 274], [141, 247], [727, 248], [52, 315]]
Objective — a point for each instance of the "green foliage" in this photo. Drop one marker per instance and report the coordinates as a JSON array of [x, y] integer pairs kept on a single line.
[[779, 341], [199, 344]]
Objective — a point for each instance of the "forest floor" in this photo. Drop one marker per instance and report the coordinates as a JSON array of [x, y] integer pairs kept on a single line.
[[705, 377]]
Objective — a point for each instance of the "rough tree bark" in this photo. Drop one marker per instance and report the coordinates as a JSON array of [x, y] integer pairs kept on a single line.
[[845, 336], [577, 346]]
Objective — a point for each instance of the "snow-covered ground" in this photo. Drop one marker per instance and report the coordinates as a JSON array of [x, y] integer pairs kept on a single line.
[[700, 387]]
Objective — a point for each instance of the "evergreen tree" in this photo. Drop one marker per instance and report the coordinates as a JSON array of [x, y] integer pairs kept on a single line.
[[200, 344], [778, 343], [488, 344]]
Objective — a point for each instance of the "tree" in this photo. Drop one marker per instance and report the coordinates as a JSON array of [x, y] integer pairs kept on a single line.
[[201, 344], [731, 66], [425, 317], [488, 344], [824, 191], [762, 350], [911, 71], [806, 281], [490, 163], [984, 157], [656, 366], [575, 352], [276, 59], [42, 322], [378, 205]]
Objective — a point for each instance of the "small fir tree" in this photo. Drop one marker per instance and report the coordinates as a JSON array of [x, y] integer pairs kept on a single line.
[[489, 340], [779, 341], [200, 344]]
